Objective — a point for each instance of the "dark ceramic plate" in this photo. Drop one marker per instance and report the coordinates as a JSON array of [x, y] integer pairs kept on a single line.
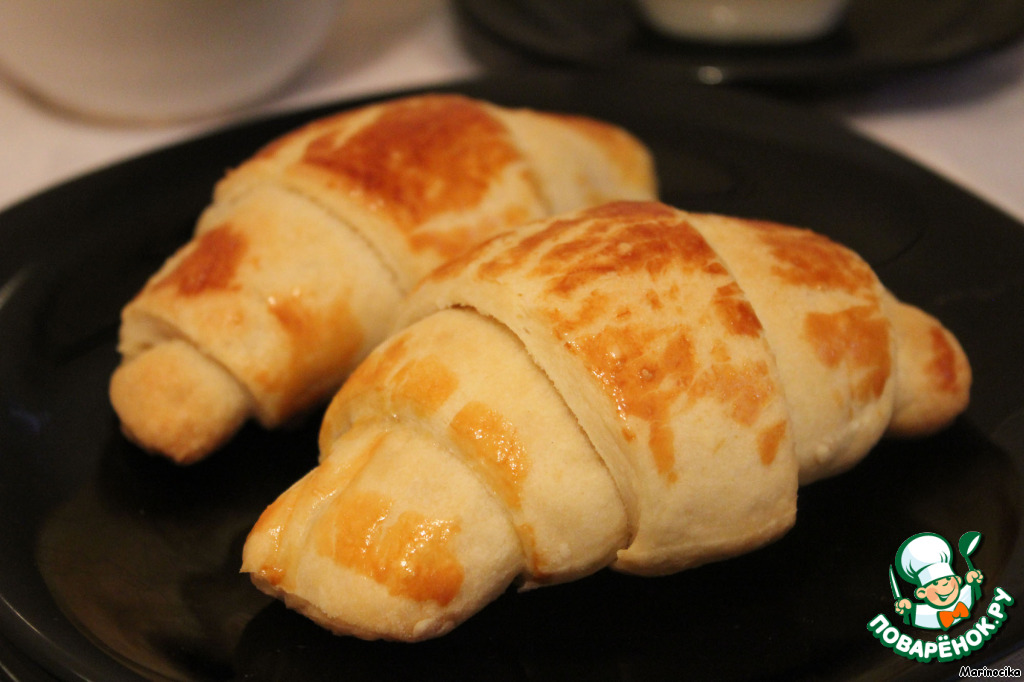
[[876, 41], [115, 564]]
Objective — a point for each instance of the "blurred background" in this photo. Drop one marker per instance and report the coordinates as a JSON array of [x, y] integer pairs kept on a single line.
[[941, 81]]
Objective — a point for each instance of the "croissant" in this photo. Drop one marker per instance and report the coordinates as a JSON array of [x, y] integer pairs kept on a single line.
[[627, 385], [296, 268]]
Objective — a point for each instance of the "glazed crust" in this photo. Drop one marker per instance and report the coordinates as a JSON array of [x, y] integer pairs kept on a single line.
[[297, 267], [628, 385]]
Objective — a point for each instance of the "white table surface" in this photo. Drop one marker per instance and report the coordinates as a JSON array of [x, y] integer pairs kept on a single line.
[[375, 47], [965, 121]]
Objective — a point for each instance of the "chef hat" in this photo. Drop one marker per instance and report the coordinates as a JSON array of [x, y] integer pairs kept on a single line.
[[925, 557]]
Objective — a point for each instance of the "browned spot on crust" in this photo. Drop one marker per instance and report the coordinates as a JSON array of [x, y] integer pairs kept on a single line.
[[768, 441], [596, 306], [563, 256], [642, 382], [857, 337], [491, 442], [328, 337], [720, 352], [421, 157], [455, 240], [209, 264], [419, 384], [746, 388], [424, 383], [651, 240], [943, 366], [380, 363], [575, 262], [410, 555], [735, 311], [276, 520], [809, 259]]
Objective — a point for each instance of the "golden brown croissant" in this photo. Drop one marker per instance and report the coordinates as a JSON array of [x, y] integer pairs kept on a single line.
[[296, 268], [628, 386]]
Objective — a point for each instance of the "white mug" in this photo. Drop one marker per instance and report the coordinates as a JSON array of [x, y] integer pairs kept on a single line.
[[158, 60]]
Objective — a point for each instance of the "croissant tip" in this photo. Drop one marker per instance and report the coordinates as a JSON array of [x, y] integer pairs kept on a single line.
[[177, 403]]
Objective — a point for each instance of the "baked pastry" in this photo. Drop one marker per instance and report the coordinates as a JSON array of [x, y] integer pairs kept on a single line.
[[297, 266], [628, 385]]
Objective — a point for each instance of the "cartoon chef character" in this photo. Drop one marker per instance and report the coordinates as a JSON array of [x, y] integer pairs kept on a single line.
[[926, 560]]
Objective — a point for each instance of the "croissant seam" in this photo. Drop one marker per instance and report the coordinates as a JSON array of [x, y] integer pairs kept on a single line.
[[459, 453], [295, 189]]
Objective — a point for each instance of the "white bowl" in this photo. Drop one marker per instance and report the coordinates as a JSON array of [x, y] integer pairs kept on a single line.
[[158, 60], [744, 21]]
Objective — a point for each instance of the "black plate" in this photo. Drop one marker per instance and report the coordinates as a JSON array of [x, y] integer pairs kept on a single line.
[[116, 563], [877, 40]]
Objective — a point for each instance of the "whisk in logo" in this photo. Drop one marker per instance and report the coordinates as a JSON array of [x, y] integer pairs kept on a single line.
[[932, 596]]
